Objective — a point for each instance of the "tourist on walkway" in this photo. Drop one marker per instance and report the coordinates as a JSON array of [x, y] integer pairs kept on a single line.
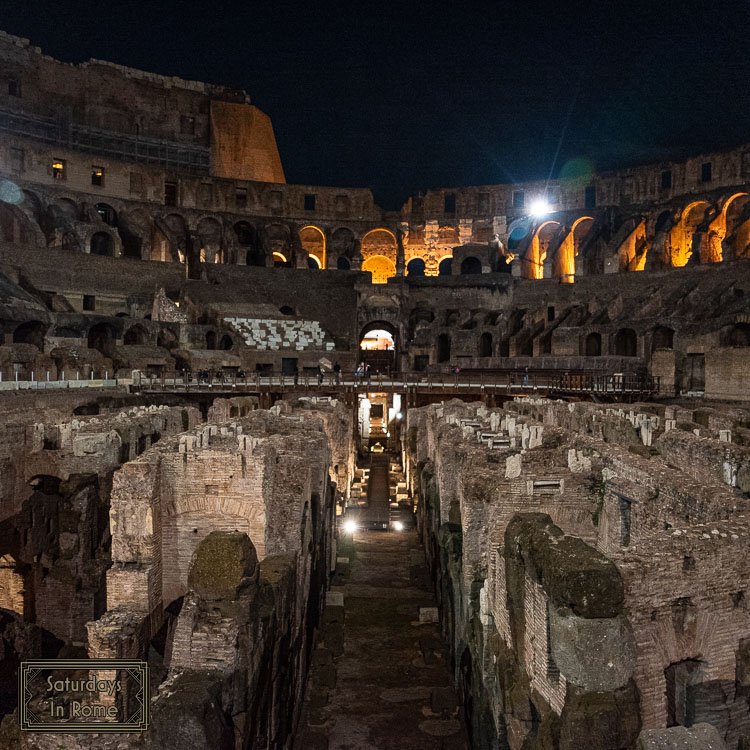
[[321, 371], [368, 373], [337, 370]]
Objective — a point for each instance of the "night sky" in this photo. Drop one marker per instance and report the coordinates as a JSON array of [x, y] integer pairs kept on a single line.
[[402, 97]]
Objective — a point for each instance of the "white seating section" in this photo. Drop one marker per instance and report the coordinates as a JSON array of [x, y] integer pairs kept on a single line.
[[270, 334]]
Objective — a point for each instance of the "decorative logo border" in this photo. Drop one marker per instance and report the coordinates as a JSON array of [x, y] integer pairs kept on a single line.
[[137, 671]]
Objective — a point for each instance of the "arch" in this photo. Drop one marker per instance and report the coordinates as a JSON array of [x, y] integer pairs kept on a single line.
[[313, 240], [625, 343], [592, 346], [380, 267], [101, 243], [280, 261], [377, 339], [380, 242], [31, 332], [343, 264], [313, 262], [226, 342], [731, 228], [445, 267], [536, 253], [662, 338], [684, 238], [664, 221], [471, 265], [565, 263], [210, 234], [136, 335], [107, 213], [443, 348], [415, 267], [485, 344], [102, 338]]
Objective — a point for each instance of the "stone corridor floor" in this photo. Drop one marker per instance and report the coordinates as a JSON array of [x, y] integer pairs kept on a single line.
[[380, 680]]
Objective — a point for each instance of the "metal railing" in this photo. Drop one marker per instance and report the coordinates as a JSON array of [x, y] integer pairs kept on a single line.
[[511, 382]]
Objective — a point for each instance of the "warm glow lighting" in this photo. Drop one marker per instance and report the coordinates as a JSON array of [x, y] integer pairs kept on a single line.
[[398, 526], [539, 207], [350, 526]]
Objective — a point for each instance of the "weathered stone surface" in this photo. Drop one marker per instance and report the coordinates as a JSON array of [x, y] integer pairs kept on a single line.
[[595, 654], [223, 564], [697, 737]]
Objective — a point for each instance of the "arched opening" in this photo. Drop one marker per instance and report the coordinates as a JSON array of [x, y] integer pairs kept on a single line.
[[662, 338], [313, 240], [471, 265], [536, 254], [287, 310], [443, 348], [685, 239], [247, 239], [102, 244], [211, 340], [280, 261], [485, 345], [377, 339], [378, 342], [736, 229], [445, 268], [226, 342], [343, 264], [210, 234], [135, 336], [738, 335], [380, 267], [102, 338], [167, 339], [625, 343], [593, 345], [107, 213], [313, 262], [32, 332], [415, 267], [379, 249]]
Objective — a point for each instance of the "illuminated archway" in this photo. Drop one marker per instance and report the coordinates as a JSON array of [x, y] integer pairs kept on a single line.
[[730, 229], [313, 240], [532, 266], [377, 339], [314, 262], [280, 261], [379, 243], [684, 240], [380, 267], [564, 263]]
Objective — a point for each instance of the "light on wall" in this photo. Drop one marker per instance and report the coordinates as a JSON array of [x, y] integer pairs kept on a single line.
[[539, 207]]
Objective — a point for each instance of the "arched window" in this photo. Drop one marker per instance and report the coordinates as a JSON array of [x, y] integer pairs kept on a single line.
[[32, 332], [626, 343], [593, 345], [135, 335], [446, 267], [342, 263]]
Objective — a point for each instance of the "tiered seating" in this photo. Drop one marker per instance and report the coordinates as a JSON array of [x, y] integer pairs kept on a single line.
[[273, 334]]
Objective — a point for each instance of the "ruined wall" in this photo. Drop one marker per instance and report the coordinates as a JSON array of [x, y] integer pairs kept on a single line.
[[589, 566]]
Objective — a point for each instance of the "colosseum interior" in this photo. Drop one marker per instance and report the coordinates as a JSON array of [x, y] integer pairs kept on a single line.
[[522, 527]]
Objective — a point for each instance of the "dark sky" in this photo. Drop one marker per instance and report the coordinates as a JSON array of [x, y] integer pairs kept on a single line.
[[404, 96]]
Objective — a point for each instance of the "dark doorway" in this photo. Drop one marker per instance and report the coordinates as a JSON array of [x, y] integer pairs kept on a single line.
[[625, 343], [470, 266], [443, 348], [593, 345], [485, 345]]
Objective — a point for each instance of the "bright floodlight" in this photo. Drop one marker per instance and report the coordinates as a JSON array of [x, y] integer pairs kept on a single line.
[[350, 526], [398, 526], [539, 207]]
